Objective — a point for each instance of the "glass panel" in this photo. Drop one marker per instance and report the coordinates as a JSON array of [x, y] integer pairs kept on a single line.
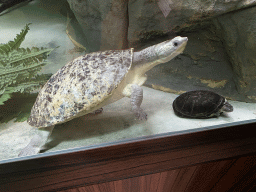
[[182, 46]]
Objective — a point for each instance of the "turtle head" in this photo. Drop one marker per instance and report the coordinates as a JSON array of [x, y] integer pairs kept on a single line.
[[227, 107], [169, 49], [163, 52]]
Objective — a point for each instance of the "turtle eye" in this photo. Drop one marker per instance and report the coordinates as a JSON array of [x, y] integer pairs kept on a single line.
[[175, 44]]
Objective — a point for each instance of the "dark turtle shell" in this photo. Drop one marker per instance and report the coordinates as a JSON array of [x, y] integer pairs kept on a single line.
[[198, 104]]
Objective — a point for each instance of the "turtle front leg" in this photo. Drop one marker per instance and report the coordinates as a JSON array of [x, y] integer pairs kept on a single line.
[[37, 142], [135, 92], [136, 100]]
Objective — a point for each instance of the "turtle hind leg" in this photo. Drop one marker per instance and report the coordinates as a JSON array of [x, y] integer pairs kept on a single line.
[[97, 111], [136, 100], [37, 142]]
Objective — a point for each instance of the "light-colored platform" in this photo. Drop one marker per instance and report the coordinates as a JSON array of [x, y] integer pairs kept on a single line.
[[117, 122]]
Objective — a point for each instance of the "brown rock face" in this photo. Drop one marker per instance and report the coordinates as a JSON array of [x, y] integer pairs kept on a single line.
[[238, 31], [104, 23], [220, 55]]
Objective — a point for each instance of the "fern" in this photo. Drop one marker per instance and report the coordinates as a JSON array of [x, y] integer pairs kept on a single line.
[[24, 87], [4, 98], [19, 67], [12, 45], [21, 64]]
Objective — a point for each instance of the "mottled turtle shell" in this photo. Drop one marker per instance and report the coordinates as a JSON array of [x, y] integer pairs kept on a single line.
[[198, 104], [80, 86]]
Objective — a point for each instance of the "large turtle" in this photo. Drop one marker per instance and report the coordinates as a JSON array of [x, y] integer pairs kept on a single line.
[[92, 81], [200, 104]]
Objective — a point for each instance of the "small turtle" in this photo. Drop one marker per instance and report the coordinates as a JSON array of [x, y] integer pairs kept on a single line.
[[200, 104], [92, 81]]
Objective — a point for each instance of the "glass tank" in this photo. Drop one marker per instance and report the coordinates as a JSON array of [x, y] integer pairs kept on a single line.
[[108, 70]]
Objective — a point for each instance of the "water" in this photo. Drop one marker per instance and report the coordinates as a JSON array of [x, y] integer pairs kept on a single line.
[[203, 65]]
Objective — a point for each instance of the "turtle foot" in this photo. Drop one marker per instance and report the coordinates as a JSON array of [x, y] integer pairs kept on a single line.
[[140, 114], [29, 150], [37, 142], [32, 148]]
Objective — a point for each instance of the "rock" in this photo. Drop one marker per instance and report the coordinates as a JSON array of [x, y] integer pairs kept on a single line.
[[146, 17], [238, 33], [104, 23], [203, 65], [220, 52]]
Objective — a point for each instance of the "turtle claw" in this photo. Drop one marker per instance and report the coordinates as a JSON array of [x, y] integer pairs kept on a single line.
[[97, 111], [37, 142], [32, 148], [29, 150], [140, 114]]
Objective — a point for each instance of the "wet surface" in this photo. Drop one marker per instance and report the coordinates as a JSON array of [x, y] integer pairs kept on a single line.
[[116, 122]]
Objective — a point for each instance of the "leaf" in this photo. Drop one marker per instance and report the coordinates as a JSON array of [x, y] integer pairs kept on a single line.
[[19, 107], [19, 67], [4, 98], [32, 85], [21, 64], [12, 45], [23, 116]]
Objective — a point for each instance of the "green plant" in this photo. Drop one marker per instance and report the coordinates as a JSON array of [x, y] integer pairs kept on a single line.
[[19, 67]]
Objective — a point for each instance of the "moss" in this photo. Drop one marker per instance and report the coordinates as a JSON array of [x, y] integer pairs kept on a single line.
[[214, 84], [166, 89]]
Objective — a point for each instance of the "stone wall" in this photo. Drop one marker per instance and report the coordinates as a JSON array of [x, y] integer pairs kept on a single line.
[[146, 16], [220, 51], [104, 23], [238, 33]]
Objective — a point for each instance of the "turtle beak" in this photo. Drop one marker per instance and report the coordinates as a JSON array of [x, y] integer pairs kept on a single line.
[[227, 107], [183, 44]]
